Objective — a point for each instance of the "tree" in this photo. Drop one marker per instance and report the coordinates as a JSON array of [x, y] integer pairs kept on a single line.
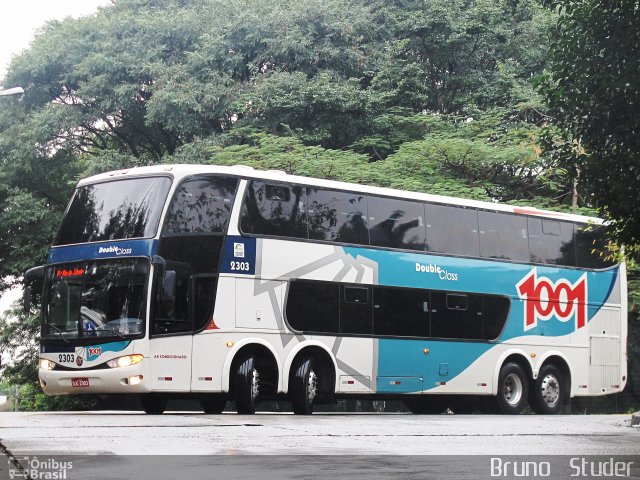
[[593, 90], [447, 55]]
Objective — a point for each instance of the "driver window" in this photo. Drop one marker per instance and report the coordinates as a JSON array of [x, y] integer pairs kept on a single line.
[[173, 317]]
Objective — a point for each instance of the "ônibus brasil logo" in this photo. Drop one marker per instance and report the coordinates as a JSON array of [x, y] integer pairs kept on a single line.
[[544, 299]]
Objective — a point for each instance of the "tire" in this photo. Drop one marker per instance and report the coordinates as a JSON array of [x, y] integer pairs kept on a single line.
[[303, 386], [213, 405], [426, 405], [513, 389], [153, 403], [246, 386], [550, 391]]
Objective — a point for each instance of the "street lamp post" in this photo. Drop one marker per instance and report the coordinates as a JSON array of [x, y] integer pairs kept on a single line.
[[11, 91]]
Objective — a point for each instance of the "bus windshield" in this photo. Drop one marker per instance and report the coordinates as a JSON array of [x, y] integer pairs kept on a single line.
[[114, 210], [103, 298]]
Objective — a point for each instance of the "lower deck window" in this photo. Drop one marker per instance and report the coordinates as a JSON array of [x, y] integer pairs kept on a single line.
[[335, 309]]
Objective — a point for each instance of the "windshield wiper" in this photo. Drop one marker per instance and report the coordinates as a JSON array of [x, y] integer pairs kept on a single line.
[[60, 332], [103, 329]]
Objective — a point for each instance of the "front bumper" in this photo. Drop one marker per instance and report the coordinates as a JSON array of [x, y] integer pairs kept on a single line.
[[108, 380]]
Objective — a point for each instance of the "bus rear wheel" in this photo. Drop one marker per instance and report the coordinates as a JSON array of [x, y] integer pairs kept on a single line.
[[213, 405], [246, 386], [153, 403], [303, 386], [513, 389], [549, 391]]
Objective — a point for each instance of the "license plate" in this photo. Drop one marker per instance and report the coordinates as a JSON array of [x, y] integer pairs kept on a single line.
[[79, 382]]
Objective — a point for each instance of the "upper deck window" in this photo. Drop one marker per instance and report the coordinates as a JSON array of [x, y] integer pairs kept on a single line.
[[272, 209], [452, 230], [503, 236], [591, 247], [396, 223], [337, 216], [120, 209], [293, 211], [552, 242], [201, 205]]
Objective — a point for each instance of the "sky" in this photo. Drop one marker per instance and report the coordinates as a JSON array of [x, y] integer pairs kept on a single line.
[[20, 19]]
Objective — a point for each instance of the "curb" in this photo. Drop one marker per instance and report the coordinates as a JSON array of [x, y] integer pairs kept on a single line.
[[635, 419]]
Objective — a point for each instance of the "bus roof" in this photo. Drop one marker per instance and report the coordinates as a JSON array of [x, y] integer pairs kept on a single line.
[[180, 171]]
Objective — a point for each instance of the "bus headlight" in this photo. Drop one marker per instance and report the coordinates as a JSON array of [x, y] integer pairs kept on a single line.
[[45, 364], [125, 361]]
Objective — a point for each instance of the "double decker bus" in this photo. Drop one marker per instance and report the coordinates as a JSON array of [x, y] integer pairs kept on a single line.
[[228, 283]]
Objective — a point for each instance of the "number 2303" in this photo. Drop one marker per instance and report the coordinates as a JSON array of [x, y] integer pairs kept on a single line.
[[65, 357], [240, 266]]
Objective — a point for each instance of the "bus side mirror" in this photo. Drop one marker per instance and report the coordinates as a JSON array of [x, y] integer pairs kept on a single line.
[[169, 282], [33, 275]]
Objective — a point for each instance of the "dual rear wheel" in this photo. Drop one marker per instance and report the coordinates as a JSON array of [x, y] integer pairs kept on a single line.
[[304, 384], [546, 394]]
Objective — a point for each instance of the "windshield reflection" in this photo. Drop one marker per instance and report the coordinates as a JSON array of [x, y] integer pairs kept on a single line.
[[118, 209], [105, 298]]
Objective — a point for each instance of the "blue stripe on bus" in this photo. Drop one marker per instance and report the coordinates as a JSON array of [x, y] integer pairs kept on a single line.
[[452, 274], [406, 358], [90, 251]]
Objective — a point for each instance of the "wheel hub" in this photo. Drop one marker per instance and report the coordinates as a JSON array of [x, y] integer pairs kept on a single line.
[[312, 388], [512, 389], [550, 389], [255, 384]]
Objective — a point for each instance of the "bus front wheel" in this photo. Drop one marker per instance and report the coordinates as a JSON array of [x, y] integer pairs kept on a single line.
[[246, 387], [549, 391], [153, 403], [513, 389], [303, 386]]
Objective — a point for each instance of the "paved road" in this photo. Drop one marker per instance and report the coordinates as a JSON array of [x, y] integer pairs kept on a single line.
[[131, 433]]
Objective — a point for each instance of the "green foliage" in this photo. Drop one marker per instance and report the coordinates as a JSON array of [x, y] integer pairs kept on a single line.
[[491, 157], [458, 53], [396, 126], [325, 109], [19, 346], [593, 90], [27, 224], [289, 154], [30, 398]]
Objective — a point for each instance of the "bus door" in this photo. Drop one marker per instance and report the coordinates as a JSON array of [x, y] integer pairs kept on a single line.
[[402, 362], [172, 335], [457, 329]]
